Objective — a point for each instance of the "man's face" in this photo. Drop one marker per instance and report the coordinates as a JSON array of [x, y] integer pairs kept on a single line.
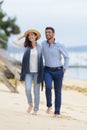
[[49, 34]]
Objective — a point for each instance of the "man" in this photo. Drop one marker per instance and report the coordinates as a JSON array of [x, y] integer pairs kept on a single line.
[[54, 70]]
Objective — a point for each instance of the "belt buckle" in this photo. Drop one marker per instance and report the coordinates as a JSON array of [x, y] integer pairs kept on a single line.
[[52, 68], [56, 68]]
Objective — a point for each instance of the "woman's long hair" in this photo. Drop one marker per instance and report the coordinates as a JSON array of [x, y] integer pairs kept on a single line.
[[27, 42]]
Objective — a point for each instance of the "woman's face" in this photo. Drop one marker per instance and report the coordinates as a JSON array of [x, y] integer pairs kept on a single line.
[[32, 37]]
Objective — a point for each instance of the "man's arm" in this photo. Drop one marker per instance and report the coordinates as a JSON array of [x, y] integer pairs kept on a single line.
[[65, 54]]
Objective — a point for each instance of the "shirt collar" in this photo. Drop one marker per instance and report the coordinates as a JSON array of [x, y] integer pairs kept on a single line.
[[52, 43]]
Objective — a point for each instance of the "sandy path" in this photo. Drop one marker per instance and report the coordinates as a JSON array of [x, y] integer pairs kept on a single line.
[[13, 115]]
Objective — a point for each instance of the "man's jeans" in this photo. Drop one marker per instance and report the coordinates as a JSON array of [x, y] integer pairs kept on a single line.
[[28, 85], [57, 77]]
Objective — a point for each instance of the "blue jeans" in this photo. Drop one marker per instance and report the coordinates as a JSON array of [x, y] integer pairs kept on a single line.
[[57, 77], [29, 78]]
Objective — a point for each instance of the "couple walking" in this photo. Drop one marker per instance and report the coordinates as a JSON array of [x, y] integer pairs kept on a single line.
[[32, 68]]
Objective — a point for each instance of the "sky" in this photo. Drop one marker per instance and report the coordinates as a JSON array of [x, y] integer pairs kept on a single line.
[[68, 17]]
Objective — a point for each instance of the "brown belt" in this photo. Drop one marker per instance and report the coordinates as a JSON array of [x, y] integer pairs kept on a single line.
[[54, 68]]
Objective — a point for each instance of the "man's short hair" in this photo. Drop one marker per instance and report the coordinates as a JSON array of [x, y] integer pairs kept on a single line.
[[51, 28]]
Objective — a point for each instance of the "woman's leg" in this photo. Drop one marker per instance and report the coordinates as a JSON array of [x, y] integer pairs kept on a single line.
[[36, 94], [28, 85]]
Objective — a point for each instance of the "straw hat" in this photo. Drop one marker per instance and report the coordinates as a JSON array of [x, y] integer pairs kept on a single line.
[[33, 31]]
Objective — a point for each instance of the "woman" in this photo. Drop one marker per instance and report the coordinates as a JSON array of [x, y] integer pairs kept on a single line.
[[32, 67]]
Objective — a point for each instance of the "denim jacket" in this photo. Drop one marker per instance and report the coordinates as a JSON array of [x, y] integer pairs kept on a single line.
[[26, 64]]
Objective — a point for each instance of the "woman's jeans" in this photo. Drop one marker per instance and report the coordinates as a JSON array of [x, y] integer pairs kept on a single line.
[[29, 78], [57, 77]]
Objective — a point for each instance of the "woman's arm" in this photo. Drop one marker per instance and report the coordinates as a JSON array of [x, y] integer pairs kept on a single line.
[[16, 41]]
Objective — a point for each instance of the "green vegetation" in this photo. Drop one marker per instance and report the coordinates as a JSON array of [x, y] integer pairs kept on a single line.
[[7, 27]]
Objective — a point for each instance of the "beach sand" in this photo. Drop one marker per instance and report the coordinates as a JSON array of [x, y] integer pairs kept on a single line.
[[13, 106]]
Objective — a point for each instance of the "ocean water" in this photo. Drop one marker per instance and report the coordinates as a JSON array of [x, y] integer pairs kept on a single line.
[[78, 60], [76, 73]]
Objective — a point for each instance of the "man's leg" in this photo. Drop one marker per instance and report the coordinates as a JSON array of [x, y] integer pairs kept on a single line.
[[48, 83], [57, 88]]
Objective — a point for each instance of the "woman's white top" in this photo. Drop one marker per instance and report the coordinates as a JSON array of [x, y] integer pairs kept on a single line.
[[33, 60]]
